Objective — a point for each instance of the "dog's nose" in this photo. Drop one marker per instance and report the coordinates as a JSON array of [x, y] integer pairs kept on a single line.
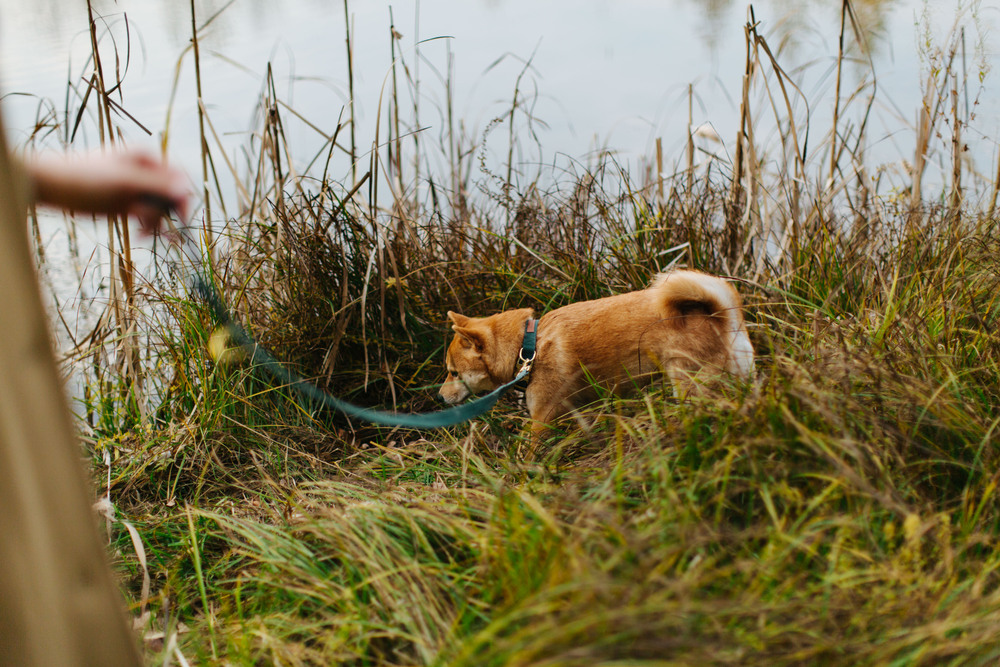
[[441, 398]]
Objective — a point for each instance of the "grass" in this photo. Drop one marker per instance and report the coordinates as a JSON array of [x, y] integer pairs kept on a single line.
[[840, 508]]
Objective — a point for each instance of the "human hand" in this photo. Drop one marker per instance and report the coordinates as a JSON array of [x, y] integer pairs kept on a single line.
[[122, 183]]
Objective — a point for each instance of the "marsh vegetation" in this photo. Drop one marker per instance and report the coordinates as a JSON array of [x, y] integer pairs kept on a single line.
[[840, 508]]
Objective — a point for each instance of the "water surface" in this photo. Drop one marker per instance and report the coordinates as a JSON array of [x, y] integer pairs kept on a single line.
[[603, 73]]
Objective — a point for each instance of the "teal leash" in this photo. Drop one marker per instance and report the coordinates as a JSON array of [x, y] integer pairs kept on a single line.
[[261, 358]]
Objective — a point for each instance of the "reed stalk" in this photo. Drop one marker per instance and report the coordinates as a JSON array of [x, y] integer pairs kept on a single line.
[[350, 92], [203, 142], [121, 294]]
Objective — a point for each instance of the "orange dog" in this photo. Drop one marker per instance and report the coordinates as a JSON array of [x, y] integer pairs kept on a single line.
[[687, 324]]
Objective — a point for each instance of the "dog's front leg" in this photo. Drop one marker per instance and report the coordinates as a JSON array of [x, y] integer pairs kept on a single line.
[[545, 405]]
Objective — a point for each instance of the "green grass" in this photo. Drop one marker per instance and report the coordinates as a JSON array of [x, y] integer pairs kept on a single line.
[[839, 508]]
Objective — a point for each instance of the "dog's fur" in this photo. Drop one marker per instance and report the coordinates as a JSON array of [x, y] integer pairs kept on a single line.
[[687, 324]]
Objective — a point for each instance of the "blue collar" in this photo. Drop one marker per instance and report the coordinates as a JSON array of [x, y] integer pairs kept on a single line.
[[527, 354]]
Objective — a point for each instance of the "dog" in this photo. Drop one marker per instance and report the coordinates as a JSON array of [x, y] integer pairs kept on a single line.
[[687, 325]]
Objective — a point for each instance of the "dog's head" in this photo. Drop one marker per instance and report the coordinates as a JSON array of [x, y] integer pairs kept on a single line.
[[467, 370], [483, 354]]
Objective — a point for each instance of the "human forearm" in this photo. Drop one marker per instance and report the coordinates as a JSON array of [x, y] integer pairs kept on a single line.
[[110, 183]]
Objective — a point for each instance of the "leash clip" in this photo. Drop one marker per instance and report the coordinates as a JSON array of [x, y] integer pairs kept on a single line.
[[527, 362]]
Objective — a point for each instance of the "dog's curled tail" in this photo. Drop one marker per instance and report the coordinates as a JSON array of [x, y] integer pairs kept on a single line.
[[687, 292]]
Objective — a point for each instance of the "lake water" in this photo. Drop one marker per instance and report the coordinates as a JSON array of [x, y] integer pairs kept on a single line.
[[605, 73], [602, 74]]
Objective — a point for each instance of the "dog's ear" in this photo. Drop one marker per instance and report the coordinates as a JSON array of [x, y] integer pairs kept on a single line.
[[471, 337], [467, 336]]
